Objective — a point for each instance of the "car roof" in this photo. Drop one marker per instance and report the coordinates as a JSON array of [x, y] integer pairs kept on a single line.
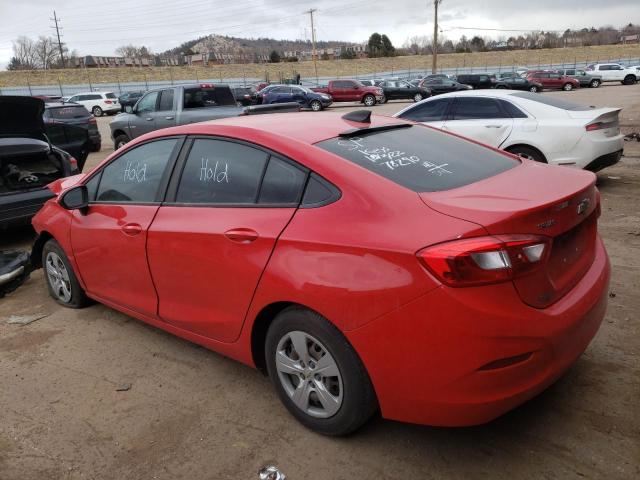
[[306, 127], [479, 93]]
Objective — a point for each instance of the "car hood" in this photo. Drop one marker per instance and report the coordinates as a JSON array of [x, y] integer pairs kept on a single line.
[[21, 116]]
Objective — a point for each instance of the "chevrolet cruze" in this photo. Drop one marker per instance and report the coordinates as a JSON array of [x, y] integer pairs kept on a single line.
[[364, 263]]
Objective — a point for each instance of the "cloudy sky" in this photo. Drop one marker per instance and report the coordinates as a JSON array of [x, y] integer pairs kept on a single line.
[[98, 27]]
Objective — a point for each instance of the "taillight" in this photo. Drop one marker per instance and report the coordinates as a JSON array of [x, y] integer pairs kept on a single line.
[[93, 120], [600, 125], [73, 162], [485, 260], [108, 102]]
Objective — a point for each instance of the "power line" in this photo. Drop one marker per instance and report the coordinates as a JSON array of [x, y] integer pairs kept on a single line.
[[57, 27]]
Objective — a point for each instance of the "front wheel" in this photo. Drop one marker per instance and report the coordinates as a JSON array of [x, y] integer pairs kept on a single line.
[[61, 280], [567, 87], [417, 97], [97, 111], [534, 89], [629, 80], [594, 83], [369, 100], [120, 141], [316, 106], [317, 373]]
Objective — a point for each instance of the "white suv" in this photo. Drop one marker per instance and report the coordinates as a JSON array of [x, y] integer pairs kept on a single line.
[[97, 102], [614, 72]]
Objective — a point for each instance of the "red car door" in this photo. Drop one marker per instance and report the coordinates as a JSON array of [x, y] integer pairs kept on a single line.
[[109, 239], [210, 242]]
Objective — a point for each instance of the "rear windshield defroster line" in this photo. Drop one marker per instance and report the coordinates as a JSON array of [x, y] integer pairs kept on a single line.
[[420, 158]]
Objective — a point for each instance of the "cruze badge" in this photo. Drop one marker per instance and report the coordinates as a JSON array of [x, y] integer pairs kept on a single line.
[[583, 206]]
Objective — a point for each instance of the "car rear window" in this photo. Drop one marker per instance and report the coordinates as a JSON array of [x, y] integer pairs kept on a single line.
[[66, 113], [202, 97], [551, 101], [420, 158]]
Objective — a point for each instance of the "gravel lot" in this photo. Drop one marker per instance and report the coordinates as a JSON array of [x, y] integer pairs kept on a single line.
[[191, 413]]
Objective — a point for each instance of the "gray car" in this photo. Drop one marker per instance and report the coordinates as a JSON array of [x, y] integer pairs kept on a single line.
[[585, 79]]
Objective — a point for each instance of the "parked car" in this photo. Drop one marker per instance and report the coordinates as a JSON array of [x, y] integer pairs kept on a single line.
[[544, 128], [519, 83], [341, 256], [61, 113], [49, 98], [258, 96], [372, 82], [171, 106], [28, 160], [305, 97], [614, 72], [129, 99], [401, 90], [585, 79], [439, 85], [244, 96], [553, 80], [478, 80], [97, 103], [352, 91]]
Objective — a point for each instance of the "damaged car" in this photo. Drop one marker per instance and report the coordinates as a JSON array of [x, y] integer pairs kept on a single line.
[[29, 160]]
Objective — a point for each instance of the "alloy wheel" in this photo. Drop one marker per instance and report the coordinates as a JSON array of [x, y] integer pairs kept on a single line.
[[369, 101], [58, 277], [309, 374], [417, 97], [316, 106]]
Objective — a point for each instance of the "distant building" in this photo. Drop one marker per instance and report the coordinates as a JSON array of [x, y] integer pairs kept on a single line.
[[632, 39], [95, 61]]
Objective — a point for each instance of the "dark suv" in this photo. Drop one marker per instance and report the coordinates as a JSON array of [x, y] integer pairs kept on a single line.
[[478, 80], [70, 114]]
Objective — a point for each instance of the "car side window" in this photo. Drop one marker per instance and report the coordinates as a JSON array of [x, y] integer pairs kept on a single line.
[[75, 98], [135, 176], [283, 183], [147, 103], [92, 186], [476, 108], [604, 67], [430, 111], [615, 67], [166, 100], [221, 172], [511, 109]]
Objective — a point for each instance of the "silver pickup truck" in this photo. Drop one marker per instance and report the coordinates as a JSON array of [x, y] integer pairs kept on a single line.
[[171, 106]]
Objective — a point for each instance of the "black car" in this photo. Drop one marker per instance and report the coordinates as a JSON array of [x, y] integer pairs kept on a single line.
[[129, 98], [28, 160], [70, 114], [478, 80], [441, 85], [519, 83], [401, 90], [245, 96]]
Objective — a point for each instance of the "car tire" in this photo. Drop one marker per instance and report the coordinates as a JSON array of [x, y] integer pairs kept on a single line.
[[316, 106], [567, 87], [62, 282], [120, 141], [501, 87], [417, 97], [97, 111], [629, 80], [347, 400], [369, 100], [534, 89], [527, 152], [594, 83]]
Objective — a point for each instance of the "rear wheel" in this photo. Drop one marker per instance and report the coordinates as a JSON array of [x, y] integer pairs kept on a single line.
[[316, 106], [595, 83], [61, 280], [567, 87], [417, 97], [529, 153], [317, 374], [630, 80], [97, 111], [534, 89], [369, 100]]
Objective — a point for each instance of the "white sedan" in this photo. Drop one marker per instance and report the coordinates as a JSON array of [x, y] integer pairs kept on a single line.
[[543, 128]]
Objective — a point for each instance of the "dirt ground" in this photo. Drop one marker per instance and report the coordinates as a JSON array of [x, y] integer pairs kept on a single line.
[[191, 413]]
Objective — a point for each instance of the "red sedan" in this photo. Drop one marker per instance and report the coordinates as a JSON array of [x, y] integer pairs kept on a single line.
[[365, 263]]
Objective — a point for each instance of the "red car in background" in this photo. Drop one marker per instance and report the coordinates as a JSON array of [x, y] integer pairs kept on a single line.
[[352, 91], [365, 263], [553, 80]]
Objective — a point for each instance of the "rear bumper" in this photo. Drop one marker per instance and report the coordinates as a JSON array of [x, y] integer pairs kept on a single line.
[[18, 208], [604, 161], [588, 150], [430, 360]]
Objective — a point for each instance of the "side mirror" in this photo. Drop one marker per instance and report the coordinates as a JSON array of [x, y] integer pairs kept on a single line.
[[128, 109], [76, 198]]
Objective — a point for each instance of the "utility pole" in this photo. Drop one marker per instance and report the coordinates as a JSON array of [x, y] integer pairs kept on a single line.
[[434, 66], [314, 52], [55, 20]]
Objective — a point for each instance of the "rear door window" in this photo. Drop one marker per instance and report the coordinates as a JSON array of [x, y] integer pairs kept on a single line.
[[203, 97], [471, 108], [430, 111], [283, 183], [419, 158]]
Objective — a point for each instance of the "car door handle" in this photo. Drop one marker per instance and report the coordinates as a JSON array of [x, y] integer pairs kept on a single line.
[[241, 235], [169, 118], [148, 119], [132, 229], [493, 126]]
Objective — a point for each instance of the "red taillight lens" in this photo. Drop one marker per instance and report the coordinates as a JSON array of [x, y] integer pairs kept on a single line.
[[108, 102], [73, 162], [93, 120], [485, 260], [600, 126]]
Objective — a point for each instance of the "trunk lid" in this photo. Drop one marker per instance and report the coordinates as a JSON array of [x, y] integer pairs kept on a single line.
[[21, 117], [563, 207]]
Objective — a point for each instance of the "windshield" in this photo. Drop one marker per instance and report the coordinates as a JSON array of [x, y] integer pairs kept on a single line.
[[419, 158]]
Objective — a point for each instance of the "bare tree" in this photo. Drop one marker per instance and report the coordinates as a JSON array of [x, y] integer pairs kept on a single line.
[[133, 51], [24, 51], [46, 52]]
